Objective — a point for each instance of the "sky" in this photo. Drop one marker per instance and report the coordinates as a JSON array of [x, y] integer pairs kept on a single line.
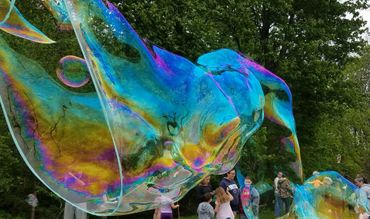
[[366, 15]]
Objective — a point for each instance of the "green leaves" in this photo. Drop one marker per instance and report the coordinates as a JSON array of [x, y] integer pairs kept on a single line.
[[313, 45]]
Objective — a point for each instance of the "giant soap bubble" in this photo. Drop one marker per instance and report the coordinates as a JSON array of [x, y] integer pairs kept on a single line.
[[328, 195], [156, 123], [58, 10], [12, 21]]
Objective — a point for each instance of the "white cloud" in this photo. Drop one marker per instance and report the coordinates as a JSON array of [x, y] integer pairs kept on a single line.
[[366, 16]]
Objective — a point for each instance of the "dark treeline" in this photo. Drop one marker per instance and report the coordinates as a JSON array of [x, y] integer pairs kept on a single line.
[[315, 46]]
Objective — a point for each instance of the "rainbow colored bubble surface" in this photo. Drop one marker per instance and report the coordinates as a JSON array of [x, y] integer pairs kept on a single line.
[[328, 195], [14, 23], [156, 123], [73, 72], [58, 10]]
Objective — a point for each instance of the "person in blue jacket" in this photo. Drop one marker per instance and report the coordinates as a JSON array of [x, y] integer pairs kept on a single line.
[[229, 182]]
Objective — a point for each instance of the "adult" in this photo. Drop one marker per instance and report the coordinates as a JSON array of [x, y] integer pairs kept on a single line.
[[278, 201], [229, 183], [204, 188], [285, 193], [250, 199], [363, 198], [223, 209], [71, 211]]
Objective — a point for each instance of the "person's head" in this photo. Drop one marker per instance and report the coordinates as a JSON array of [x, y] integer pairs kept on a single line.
[[280, 174], [221, 195], [207, 197], [363, 177], [360, 181], [327, 181], [231, 174], [247, 181], [206, 180]]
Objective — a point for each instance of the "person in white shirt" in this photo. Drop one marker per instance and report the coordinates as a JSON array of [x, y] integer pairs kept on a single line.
[[278, 201], [166, 206]]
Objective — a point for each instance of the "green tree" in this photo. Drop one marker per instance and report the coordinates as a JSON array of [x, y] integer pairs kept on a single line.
[[308, 43], [312, 45]]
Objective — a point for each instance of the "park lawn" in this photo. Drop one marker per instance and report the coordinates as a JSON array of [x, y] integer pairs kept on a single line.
[[265, 214]]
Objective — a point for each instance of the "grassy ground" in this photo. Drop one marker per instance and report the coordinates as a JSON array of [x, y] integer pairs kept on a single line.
[[265, 214]]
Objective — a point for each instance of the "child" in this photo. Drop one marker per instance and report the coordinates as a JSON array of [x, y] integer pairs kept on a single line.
[[250, 199], [223, 208], [165, 211], [205, 210]]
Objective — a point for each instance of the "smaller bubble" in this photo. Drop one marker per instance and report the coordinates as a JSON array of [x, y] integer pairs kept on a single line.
[[73, 71]]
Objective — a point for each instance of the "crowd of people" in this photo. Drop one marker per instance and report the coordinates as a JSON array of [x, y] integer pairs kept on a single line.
[[229, 201]]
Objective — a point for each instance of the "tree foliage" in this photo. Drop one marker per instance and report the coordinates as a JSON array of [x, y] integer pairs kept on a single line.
[[315, 46]]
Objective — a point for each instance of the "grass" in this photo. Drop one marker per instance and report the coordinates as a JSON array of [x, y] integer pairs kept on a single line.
[[264, 214]]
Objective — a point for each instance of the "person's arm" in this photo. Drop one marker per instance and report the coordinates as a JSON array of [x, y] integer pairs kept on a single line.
[[217, 207], [231, 197], [212, 192], [156, 214], [173, 206], [276, 185], [256, 197]]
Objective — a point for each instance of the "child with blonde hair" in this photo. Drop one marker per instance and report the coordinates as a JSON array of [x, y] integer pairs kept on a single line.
[[223, 209]]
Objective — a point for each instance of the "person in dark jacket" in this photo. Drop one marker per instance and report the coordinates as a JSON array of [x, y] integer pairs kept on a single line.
[[229, 182], [203, 188]]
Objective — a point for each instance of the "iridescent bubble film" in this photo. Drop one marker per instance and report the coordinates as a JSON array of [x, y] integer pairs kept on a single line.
[[52, 127], [154, 125], [6, 14], [278, 98], [328, 195], [73, 72], [58, 10], [14, 23], [248, 202]]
